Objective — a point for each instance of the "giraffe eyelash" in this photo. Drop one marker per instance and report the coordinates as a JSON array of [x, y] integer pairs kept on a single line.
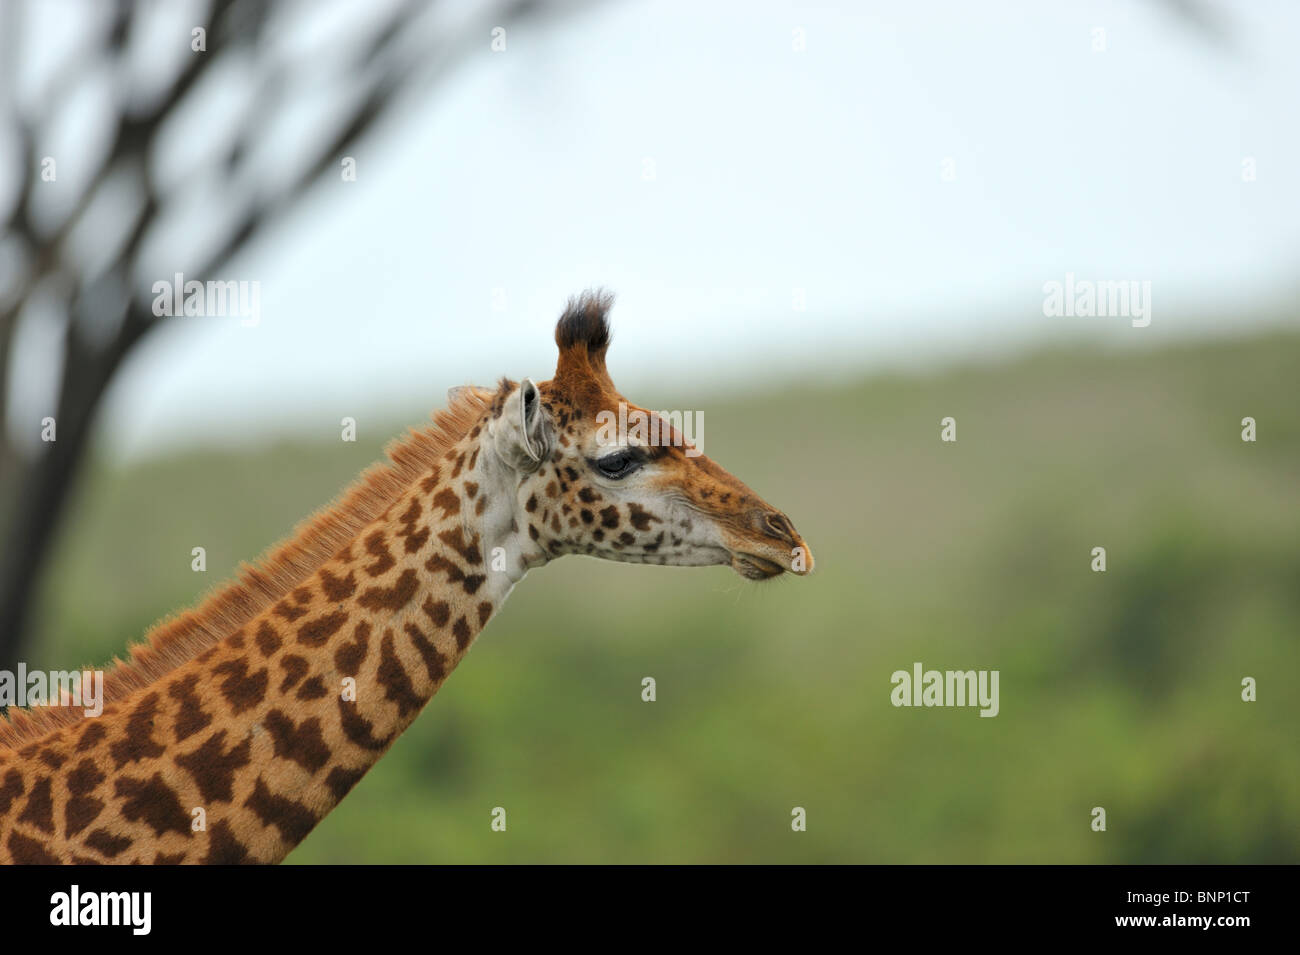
[[620, 463]]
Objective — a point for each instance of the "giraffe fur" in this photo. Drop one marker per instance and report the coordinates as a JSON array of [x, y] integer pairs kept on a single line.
[[261, 708]]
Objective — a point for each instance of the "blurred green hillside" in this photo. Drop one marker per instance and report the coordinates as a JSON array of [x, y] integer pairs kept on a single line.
[[1118, 689]]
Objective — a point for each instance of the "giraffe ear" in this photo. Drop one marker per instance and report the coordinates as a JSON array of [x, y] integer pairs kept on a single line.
[[522, 433]]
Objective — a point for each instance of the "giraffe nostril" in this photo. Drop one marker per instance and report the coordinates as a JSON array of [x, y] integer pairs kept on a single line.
[[778, 525]]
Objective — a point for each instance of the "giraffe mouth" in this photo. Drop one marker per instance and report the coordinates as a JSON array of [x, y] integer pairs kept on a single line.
[[753, 567]]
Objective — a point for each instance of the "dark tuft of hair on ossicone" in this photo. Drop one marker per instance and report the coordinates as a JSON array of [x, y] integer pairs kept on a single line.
[[585, 321]]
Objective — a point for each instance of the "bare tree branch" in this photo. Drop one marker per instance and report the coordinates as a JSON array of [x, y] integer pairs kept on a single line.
[[33, 492]]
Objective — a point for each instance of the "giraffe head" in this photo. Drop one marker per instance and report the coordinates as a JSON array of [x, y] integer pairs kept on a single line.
[[594, 474]]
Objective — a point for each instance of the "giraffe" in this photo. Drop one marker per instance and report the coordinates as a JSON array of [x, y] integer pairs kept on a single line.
[[236, 726]]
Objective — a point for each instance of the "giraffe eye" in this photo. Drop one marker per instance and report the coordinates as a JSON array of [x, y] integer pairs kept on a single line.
[[619, 464]]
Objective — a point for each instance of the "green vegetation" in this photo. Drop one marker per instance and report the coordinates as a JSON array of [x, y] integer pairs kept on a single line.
[[1118, 689]]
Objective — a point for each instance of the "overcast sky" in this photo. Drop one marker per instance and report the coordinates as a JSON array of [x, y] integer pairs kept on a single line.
[[915, 173]]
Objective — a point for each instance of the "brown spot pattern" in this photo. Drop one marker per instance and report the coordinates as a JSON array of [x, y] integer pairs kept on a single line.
[[640, 517], [266, 638], [316, 633], [223, 847], [292, 818], [301, 743], [288, 611], [392, 598], [312, 689], [358, 729], [376, 548], [337, 589], [105, 843], [434, 662], [11, 789], [138, 743], [153, 802], [349, 656], [295, 668], [448, 501], [190, 717], [213, 767], [437, 611], [27, 851], [82, 808], [461, 632], [340, 781], [392, 676], [53, 759], [39, 810], [455, 539], [95, 732], [241, 690], [414, 539]]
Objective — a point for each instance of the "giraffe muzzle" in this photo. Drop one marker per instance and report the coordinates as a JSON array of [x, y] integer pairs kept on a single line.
[[753, 567], [778, 548]]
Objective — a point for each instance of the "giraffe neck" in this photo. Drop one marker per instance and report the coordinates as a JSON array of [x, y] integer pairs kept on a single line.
[[266, 731]]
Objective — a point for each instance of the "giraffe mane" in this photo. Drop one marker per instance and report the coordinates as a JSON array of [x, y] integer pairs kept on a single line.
[[179, 637]]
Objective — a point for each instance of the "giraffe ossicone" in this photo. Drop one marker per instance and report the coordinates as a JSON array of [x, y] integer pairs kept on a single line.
[[238, 725]]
